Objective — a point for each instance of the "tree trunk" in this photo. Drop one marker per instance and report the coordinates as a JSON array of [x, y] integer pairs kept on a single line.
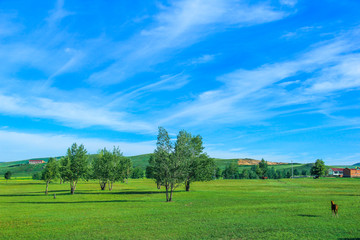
[[171, 192], [110, 185], [73, 187], [102, 185], [187, 185], [167, 192], [158, 185], [47, 185], [61, 181]]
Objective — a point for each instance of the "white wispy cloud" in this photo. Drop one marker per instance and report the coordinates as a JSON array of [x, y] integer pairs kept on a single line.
[[78, 115], [181, 24], [289, 2], [251, 96], [167, 83], [21, 145], [8, 26], [58, 13], [343, 75], [203, 59], [300, 31]]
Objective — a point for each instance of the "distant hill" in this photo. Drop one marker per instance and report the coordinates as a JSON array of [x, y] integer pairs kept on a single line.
[[248, 161], [356, 164], [22, 168], [141, 161]]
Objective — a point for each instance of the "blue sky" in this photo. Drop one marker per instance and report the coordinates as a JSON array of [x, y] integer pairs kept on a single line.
[[277, 80]]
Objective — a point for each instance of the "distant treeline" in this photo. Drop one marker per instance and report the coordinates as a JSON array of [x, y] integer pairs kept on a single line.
[[262, 170]]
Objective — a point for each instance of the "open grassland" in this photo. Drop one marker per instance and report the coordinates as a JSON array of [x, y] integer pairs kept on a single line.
[[221, 209]]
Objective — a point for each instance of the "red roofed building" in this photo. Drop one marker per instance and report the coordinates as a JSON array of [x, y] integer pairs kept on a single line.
[[36, 161], [351, 172], [336, 171]]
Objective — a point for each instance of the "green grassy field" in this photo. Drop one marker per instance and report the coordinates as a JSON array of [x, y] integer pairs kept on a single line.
[[221, 209]]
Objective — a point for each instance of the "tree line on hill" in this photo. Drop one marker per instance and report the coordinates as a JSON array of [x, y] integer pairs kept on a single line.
[[262, 170]]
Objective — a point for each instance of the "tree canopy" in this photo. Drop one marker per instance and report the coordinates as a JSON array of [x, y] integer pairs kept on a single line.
[[50, 172], [109, 167], [319, 169], [184, 162], [74, 165], [7, 175]]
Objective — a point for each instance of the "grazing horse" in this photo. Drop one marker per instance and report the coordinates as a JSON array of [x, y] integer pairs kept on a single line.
[[334, 208]]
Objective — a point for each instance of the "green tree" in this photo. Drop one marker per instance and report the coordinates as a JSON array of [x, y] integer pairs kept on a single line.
[[7, 175], [245, 174], [149, 172], [110, 167], [296, 172], [319, 169], [257, 170], [199, 167], [74, 165], [231, 171], [137, 173], [202, 169], [168, 168], [218, 173], [36, 176], [102, 167], [263, 166], [304, 172], [271, 173], [50, 172], [124, 169], [253, 174]]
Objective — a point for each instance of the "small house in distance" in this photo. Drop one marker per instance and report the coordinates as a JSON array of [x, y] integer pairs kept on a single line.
[[36, 161], [336, 171], [351, 172]]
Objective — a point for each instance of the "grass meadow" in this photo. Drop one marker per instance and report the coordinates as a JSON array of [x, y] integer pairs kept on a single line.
[[220, 209]]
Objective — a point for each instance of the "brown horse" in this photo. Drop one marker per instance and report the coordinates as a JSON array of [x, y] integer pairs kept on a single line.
[[334, 208]]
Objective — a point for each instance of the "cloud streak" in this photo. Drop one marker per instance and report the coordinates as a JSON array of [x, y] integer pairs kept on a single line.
[[76, 115], [180, 25], [21, 145], [250, 96]]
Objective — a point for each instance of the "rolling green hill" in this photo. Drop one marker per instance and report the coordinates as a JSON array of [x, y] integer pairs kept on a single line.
[[22, 168], [141, 161]]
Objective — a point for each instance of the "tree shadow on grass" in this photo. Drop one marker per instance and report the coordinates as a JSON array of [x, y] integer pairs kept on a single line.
[[82, 192], [308, 215], [20, 183], [351, 195], [91, 192], [349, 238], [94, 192], [54, 202]]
